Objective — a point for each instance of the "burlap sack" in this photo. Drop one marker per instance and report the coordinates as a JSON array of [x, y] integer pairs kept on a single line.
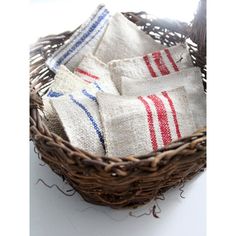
[[139, 125], [155, 64], [85, 39], [124, 39], [92, 69], [189, 78], [81, 121]]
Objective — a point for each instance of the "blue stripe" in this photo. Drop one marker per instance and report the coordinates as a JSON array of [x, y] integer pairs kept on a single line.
[[54, 94], [90, 96], [97, 86], [82, 38], [55, 66], [95, 126]]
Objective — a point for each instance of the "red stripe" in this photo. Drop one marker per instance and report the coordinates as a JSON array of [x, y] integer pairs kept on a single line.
[[150, 123], [171, 59], [162, 118], [86, 73], [87, 81], [160, 63], [149, 66], [166, 95]]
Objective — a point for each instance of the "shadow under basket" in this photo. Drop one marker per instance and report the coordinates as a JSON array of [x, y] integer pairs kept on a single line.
[[129, 181]]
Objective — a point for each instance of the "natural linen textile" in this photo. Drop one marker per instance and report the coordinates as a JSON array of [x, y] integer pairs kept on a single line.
[[155, 64], [80, 118], [84, 40], [66, 82], [140, 125], [93, 69], [51, 119], [189, 78], [124, 39]]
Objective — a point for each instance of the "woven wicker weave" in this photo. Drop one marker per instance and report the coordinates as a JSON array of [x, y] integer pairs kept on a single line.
[[129, 181]]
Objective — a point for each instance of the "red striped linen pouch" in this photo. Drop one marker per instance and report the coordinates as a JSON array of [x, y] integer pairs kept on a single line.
[[140, 125], [124, 39], [155, 64], [65, 82], [189, 78], [93, 69], [80, 118]]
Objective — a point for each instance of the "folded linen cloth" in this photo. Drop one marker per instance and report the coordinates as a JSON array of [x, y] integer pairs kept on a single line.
[[139, 125], [85, 39], [189, 78], [124, 39], [93, 69], [155, 64], [80, 118]]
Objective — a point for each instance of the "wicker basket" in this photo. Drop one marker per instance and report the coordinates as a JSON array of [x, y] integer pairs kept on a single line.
[[129, 181]]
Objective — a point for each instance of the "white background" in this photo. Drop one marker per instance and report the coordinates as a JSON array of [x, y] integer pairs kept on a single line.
[[52, 213], [16, 24]]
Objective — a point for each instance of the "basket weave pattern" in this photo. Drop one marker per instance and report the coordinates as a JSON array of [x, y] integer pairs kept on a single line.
[[129, 181]]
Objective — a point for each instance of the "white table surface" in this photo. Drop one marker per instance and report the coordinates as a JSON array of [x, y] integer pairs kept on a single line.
[[51, 212]]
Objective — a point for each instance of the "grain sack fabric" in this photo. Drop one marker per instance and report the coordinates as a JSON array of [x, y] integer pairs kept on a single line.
[[124, 39], [155, 64], [81, 121], [140, 125], [84, 40], [189, 78], [51, 119], [66, 82], [92, 69]]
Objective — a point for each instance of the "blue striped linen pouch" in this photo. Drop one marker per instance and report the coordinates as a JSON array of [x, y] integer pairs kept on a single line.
[[84, 40], [79, 115], [66, 82]]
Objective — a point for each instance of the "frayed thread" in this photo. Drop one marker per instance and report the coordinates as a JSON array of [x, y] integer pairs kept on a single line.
[[181, 190], [151, 211], [54, 185]]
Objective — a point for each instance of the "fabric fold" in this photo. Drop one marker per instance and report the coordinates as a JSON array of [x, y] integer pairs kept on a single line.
[[124, 39]]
